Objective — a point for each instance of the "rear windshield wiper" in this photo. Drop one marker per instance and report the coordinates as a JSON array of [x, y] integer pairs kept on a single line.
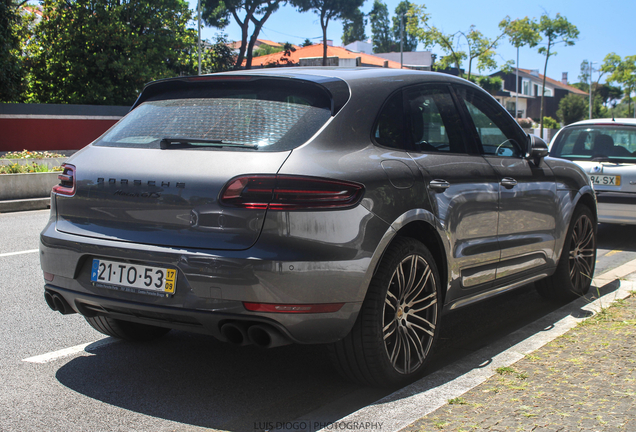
[[181, 142]]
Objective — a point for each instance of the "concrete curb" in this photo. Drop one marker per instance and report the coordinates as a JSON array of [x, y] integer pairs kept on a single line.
[[409, 404], [7, 206]]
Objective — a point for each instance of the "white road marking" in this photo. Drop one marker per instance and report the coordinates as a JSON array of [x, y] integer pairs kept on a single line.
[[409, 404], [87, 347], [19, 253]]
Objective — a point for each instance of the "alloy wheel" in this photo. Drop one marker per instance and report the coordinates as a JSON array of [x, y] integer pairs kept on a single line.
[[410, 314], [582, 253]]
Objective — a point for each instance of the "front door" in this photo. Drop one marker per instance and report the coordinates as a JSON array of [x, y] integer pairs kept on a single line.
[[527, 191], [462, 186]]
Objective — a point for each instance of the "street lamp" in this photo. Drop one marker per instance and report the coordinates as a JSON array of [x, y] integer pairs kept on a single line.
[[517, 86], [590, 65]]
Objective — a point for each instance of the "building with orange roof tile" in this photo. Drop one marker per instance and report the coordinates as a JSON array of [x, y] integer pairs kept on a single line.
[[530, 86], [312, 56], [259, 43]]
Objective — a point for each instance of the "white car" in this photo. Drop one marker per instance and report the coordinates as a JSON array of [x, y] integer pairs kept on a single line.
[[606, 150]]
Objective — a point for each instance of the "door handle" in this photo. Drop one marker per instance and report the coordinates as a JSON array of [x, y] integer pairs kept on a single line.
[[508, 182], [440, 185]]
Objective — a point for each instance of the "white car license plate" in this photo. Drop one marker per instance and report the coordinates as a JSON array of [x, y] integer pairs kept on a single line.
[[606, 180], [134, 276]]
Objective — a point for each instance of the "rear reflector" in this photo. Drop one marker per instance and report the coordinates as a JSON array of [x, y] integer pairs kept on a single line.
[[67, 181], [48, 276], [290, 193], [293, 308]]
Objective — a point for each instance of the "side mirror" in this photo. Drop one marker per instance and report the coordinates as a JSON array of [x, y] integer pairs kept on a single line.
[[537, 149]]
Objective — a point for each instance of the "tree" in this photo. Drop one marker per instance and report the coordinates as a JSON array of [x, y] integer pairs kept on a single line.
[[284, 60], [328, 10], [478, 47], [218, 57], [307, 43], [104, 51], [11, 70], [520, 32], [555, 31], [491, 84], [266, 49], [609, 95], [623, 72], [217, 13], [353, 28], [585, 75], [410, 39], [380, 30], [572, 108]]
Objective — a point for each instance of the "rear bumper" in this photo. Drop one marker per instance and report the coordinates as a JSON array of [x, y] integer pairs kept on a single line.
[[616, 208], [211, 288], [309, 329]]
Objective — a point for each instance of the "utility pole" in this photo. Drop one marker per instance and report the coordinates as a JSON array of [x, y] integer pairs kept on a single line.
[[199, 38]]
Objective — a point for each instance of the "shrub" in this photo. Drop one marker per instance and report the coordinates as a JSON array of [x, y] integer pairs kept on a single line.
[[525, 122], [16, 168], [572, 108], [25, 154], [550, 123]]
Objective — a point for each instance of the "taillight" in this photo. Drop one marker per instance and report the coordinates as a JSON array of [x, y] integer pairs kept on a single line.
[[67, 181], [290, 193]]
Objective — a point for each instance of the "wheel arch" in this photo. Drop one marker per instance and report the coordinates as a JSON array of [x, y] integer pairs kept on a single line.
[[588, 199], [422, 226], [585, 198]]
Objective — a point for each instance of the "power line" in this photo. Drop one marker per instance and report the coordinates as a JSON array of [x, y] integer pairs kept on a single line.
[[294, 36]]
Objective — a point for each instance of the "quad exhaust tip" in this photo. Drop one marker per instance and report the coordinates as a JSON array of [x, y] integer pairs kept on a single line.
[[261, 335]]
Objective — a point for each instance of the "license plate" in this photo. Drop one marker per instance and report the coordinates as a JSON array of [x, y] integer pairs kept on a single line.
[[606, 180], [120, 274]]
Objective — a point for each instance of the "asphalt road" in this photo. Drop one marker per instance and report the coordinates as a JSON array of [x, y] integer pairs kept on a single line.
[[187, 382]]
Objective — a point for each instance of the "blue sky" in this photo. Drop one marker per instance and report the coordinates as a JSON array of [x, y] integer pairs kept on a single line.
[[604, 27]]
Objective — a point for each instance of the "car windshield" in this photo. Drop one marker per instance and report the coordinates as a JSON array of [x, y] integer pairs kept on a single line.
[[263, 116], [611, 143]]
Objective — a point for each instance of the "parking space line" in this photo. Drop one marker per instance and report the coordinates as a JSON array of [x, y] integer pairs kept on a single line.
[[87, 347], [19, 253]]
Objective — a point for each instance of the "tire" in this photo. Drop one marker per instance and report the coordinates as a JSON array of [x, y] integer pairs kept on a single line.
[[126, 330], [398, 323], [575, 270]]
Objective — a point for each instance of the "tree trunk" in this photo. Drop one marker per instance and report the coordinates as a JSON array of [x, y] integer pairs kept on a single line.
[[323, 23], [545, 71], [244, 27], [258, 25]]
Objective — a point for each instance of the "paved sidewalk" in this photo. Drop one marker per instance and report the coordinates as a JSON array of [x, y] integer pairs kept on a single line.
[[572, 370], [584, 380]]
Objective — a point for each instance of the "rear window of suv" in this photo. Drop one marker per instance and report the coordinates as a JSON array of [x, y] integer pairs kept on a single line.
[[596, 142], [261, 115]]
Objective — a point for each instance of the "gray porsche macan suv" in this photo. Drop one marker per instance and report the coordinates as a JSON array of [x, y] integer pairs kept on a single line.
[[347, 207]]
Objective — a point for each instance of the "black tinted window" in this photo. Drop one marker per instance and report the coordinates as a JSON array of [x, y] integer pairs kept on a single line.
[[389, 129], [434, 123], [498, 134]]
